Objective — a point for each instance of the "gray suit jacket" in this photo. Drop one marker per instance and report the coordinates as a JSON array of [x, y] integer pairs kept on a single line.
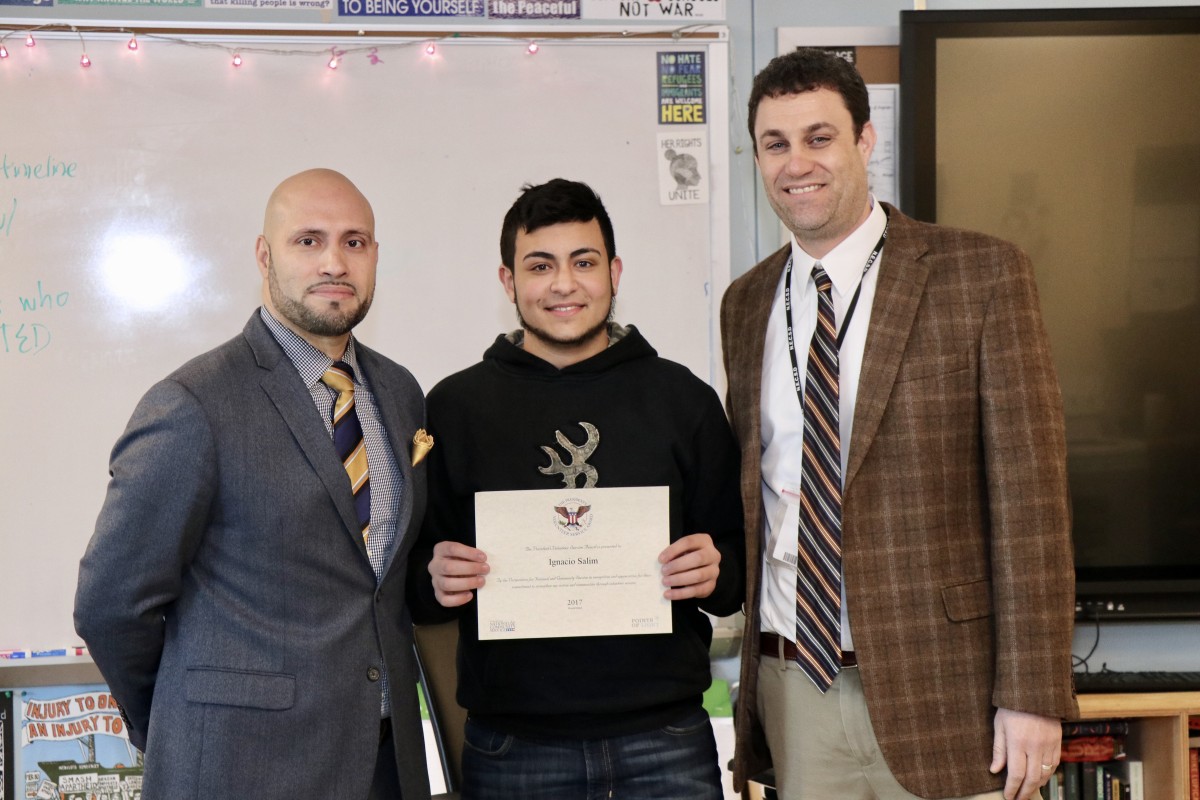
[[226, 594], [956, 525]]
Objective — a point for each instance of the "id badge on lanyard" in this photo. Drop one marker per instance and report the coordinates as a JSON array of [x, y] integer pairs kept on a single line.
[[783, 546]]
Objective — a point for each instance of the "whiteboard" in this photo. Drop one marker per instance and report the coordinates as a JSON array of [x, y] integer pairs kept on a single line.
[[131, 248]]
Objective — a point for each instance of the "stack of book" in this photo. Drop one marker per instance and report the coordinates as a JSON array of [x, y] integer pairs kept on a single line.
[[1194, 756], [1094, 765]]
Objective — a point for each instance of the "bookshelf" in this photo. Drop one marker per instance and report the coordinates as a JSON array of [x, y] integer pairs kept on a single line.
[[1158, 734]]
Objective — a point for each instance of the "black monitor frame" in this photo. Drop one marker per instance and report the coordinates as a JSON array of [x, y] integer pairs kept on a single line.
[[1160, 591], [919, 35]]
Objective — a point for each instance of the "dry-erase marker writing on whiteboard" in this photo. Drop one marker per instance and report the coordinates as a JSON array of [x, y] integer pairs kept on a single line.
[[59, 651]]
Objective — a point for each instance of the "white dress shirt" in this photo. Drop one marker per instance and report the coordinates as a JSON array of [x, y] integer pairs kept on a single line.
[[782, 414]]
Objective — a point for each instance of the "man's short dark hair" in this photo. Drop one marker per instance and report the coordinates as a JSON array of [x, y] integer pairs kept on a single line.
[[807, 69], [557, 200]]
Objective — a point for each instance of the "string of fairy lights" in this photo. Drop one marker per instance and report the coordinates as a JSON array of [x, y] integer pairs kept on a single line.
[[332, 56]]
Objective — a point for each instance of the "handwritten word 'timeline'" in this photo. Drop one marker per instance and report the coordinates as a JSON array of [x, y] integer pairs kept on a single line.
[[27, 170]]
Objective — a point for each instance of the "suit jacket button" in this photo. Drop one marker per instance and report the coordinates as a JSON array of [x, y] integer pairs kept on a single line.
[[373, 674]]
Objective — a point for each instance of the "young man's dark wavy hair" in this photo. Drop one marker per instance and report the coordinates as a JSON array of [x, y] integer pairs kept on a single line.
[[558, 200]]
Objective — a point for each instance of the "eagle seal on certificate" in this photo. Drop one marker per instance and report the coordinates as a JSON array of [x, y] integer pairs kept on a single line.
[[573, 517]]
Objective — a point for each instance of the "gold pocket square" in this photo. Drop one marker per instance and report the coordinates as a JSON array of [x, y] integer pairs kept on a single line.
[[422, 444]]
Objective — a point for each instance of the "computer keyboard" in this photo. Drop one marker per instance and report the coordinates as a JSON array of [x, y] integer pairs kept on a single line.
[[1111, 681]]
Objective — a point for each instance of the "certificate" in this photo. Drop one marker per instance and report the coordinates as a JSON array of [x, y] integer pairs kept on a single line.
[[573, 562]]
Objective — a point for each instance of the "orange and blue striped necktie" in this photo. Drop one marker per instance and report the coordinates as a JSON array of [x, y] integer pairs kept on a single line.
[[819, 566]]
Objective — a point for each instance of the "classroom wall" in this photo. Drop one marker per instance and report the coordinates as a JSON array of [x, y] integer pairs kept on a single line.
[[754, 230], [753, 25]]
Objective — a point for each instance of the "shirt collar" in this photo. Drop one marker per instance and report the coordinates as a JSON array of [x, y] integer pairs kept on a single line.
[[310, 362], [844, 263]]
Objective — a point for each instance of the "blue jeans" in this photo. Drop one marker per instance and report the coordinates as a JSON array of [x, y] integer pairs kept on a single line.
[[676, 762]]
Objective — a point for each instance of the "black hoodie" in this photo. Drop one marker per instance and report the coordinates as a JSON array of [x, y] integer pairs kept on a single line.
[[659, 425]]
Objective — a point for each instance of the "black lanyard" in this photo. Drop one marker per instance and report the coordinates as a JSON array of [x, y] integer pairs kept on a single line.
[[787, 308]]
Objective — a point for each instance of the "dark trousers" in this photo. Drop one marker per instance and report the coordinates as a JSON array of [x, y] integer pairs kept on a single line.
[[386, 783]]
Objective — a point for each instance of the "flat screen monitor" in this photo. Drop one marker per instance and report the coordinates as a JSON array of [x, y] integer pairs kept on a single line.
[[1076, 134]]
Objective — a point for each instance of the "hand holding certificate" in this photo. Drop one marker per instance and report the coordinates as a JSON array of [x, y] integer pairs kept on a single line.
[[573, 562]]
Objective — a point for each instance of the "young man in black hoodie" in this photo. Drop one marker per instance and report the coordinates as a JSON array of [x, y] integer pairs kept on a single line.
[[583, 717]]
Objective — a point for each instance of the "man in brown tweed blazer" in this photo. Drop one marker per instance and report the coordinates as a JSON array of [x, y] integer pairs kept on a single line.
[[957, 588]]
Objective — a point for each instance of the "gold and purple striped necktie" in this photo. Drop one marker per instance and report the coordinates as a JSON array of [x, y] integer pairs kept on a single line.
[[348, 440]]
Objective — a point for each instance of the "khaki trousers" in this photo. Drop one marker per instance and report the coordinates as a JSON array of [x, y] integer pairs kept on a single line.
[[823, 745]]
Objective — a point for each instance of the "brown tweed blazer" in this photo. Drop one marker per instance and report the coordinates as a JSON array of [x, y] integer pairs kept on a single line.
[[956, 530]]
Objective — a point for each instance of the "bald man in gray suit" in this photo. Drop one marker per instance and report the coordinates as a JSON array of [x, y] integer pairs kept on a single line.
[[252, 630]]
